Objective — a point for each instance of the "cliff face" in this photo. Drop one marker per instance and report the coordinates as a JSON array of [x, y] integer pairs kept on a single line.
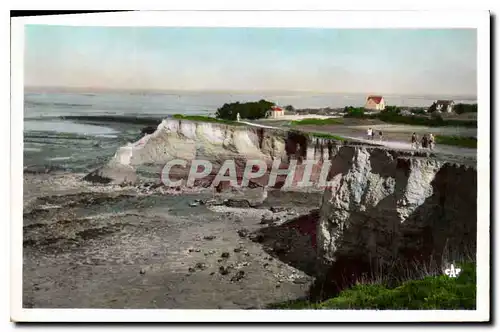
[[386, 204], [188, 140]]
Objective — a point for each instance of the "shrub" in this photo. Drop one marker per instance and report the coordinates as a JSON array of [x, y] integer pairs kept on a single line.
[[435, 120], [465, 108], [251, 110], [202, 118], [392, 109], [354, 112], [466, 142], [436, 116], [317, 122], [328, 136]]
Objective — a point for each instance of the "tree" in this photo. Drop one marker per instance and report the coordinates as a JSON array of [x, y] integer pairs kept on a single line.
[[290, 108], [465, 108], [354, 112], [251, 110], [437, 118], [392, 109]]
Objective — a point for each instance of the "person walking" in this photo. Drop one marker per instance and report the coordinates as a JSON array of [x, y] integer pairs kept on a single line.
[[238, 117], [369, 133], [425, 141], [380, 135], [414, 141], [431, 141]]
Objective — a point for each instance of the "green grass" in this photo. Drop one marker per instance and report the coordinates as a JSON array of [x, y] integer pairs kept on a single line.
[[432, 292], [317, 122], [466, 142], [328, 136], [202, 118], [390, 117]]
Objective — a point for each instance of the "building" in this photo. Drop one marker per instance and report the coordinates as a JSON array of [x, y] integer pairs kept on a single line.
[[376, 103], [444, 105], [276, 112]]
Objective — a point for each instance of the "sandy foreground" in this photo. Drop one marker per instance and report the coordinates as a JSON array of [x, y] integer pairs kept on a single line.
[[117, 247]]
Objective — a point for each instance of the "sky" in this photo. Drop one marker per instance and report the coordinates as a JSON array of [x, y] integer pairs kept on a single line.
[[395, 61]]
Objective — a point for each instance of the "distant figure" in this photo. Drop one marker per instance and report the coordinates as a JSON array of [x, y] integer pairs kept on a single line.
[[431, 141], [425, 141], [380, 135], [238, 117], [369, 133], [373, 134], [414, 141]]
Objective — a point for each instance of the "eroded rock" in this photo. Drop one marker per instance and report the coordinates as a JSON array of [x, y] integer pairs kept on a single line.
[[386, 205]]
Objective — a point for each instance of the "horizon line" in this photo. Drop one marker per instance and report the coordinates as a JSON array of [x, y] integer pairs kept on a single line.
[[34, 88]]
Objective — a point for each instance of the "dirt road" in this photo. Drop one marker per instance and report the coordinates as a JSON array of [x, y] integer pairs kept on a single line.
[[394, 136]]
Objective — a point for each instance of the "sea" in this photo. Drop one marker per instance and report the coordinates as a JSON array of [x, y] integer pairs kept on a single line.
[[79, 131]]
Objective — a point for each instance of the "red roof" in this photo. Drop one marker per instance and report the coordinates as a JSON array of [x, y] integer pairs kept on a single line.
[[376, 99], [276, 108]]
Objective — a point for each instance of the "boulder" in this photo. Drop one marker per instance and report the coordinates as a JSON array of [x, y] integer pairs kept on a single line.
[[113, 173]]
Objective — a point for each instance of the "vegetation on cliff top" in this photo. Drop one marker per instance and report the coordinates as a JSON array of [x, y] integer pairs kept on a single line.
[[328, 136], [316, 121], [432, 292], [465, 142], [392, 114], [250, 110], [203, 118], [435, 120]]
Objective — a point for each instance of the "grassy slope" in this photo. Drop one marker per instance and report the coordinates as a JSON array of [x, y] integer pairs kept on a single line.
[[319, 122], [433, 292], [202, 118], [465, 142], [392, 118]]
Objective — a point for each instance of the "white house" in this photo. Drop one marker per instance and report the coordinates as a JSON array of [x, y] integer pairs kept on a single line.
[[276, 112], [445, 105], [376, 103]]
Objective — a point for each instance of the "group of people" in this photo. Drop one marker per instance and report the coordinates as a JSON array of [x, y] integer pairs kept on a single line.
[[427, 141], [371, 134]]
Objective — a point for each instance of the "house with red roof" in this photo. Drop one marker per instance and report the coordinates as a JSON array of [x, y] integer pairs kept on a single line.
[[376, 103], [276, 112]]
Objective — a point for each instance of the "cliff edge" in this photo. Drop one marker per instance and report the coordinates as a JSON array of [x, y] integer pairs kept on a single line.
[[215, 142], [388, 204]]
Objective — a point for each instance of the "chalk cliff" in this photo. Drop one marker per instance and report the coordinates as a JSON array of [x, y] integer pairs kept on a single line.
[[188, 140], [386, 204]]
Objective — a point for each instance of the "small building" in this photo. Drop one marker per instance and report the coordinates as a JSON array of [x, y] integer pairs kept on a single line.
[[444, 105], [376, 103], [276, 112]]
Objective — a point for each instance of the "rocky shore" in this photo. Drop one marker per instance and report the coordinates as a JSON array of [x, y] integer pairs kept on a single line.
[[98, 247], [131, 242]]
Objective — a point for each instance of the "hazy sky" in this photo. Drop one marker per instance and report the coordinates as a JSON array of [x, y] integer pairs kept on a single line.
[[396, 61]]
